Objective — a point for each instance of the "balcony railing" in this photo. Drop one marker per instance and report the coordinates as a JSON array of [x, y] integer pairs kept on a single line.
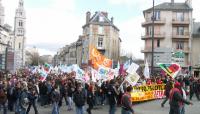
[[156, 36], [179, 36], [149, 21], [180, 22]]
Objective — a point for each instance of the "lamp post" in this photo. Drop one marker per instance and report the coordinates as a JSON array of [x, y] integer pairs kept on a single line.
[[152, 54]]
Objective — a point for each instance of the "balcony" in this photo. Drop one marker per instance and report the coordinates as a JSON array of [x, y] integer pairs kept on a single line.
[[185, 36], [156, 22], [176, 22], [156, 36]]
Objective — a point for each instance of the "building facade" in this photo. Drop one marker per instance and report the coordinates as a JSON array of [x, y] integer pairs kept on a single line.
[[13, 40], [99, 32], [195, 48], [172, 33]]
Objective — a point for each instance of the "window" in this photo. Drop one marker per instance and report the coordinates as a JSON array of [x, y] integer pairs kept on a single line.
[[180, 30], [149, 30], [20, 13], [19, 45], [100, 29], [180, 45], [157, 15], [20, 23], [101, 19], [180, 16], [158, 43], [100, 42]]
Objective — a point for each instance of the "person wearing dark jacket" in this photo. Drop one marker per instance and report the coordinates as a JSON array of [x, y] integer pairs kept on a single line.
[[55, 97], [32, 96], [112, 97], [79, 99], [176, 99], [90, 99], [43, 93], [168, 87], [126, 102], [194, 89]]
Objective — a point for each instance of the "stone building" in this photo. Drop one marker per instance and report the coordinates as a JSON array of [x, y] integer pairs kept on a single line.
[[172, 33], [12, 46], [100, 32], [195, 48]]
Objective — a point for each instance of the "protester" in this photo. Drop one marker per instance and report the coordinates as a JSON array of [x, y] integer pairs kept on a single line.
[[55, 97], [90, 99], [32, 96], [3, 98], [79, 99], [194, 89], [168, 87], [112, 97], [176, 99], [126, 102]]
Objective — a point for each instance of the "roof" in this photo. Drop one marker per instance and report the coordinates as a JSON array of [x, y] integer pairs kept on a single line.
[[171, 7], [196, 30], [95, 19]]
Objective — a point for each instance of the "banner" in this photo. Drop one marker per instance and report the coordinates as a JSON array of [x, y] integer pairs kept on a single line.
[[132, 68], [132, 78], [98, 59], [148, 92], [172, 69]]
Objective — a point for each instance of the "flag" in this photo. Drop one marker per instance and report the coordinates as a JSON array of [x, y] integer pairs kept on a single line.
[[132, 78], [146, 70], [43, 74], [172, 69], [132, 68], [98, 59], [47, 67]]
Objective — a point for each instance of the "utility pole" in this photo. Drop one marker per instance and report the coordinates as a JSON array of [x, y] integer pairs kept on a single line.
[[152, 54]]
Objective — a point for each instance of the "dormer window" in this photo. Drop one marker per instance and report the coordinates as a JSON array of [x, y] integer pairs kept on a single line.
[[101, 19]]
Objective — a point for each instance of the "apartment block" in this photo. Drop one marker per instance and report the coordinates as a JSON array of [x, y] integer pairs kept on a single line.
[[172, 33]]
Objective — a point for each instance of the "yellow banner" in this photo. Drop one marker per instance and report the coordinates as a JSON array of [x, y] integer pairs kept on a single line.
[[148, 92]]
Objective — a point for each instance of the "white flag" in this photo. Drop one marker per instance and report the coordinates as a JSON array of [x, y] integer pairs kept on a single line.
[[133, 68], [146, 70]]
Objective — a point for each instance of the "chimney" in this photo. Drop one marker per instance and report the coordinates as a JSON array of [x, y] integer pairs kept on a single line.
[[189, 3], [88, 14], [172, 1], [112, 20], [105, 14]]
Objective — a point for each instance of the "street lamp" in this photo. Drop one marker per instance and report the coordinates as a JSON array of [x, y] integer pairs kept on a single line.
[[152, 54]]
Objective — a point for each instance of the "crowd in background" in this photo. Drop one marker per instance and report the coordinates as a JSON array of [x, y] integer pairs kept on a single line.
[[20, 92]]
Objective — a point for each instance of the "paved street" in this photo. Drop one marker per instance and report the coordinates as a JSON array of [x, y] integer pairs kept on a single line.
[[150, 107]]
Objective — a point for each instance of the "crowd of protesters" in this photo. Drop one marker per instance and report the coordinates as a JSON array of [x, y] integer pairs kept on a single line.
[[20, 92]]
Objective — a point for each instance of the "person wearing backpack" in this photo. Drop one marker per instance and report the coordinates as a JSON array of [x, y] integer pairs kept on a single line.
[[3, 98]]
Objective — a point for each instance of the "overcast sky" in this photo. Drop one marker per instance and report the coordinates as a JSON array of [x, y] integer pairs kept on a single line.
[[51, 24]]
